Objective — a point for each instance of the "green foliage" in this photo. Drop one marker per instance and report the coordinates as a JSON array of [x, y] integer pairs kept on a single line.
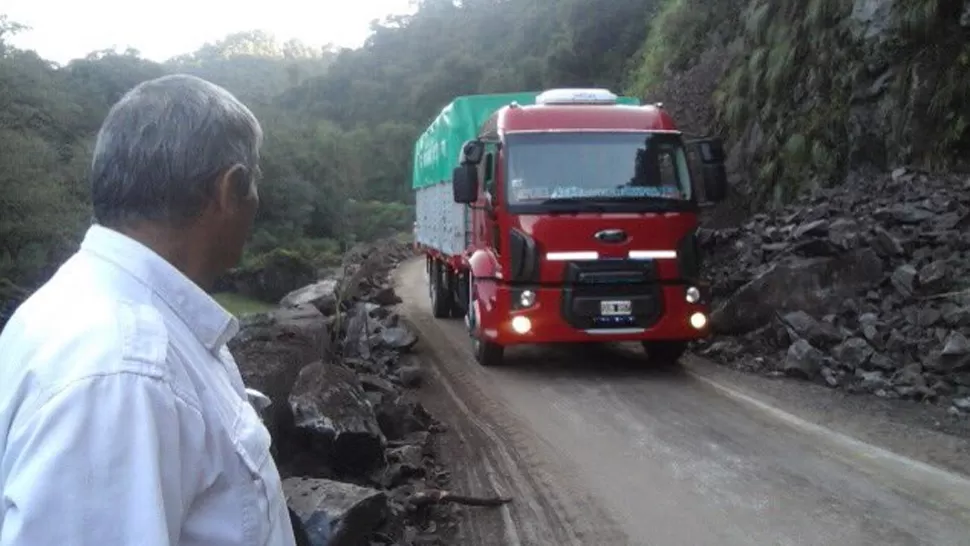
[[801, 107], [788, 92], [678, 33], [934, 79], [340, 126], [240, 305]]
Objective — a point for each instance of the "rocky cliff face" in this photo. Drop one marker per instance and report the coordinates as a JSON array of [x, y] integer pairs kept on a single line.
[[808, 90]]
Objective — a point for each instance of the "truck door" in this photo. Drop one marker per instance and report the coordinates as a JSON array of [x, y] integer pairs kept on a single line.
[[486, 221]]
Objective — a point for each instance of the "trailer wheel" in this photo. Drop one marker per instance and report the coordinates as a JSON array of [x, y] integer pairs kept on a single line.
[[441, 298], [665, 353], [456, 310]]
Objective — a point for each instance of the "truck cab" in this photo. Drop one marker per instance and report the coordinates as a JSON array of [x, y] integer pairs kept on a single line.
[[582, 218]]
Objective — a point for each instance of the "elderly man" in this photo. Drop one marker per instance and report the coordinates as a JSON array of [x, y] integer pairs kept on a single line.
[[123, 417]]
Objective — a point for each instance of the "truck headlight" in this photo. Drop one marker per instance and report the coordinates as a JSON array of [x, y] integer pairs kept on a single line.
[[698, 321], [693, 295], [521, 325], [527, 298]]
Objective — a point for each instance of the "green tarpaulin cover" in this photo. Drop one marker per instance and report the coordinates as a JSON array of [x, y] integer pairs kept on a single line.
[[436, 151]]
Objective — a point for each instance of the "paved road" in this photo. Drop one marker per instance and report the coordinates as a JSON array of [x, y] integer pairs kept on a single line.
[[598, 449]]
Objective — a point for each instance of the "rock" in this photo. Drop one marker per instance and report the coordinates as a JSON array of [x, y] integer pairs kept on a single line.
[[885, 243], [871, 381], [853, 353], [815, 271], [360, 327], [385, 295], [271, 349], [406, 462], [903, 214], [872, 18], [803, 360], [956, 345], [903, 278], [327, 374], [410, 376], [813, 285], [331, 410], [830, 376], [819, 334], [321, 294], [398, 418], [933, 276], [398, 338], [816, 228], [335, 513]]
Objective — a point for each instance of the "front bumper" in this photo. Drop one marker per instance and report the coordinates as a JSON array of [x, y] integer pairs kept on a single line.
[[547, 319]]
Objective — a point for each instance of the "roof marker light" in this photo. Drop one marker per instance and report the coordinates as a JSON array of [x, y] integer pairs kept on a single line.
[[577, 96]]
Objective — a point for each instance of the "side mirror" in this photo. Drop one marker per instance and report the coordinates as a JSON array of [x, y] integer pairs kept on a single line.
[[713, 173], [464, 183], [472, 152]]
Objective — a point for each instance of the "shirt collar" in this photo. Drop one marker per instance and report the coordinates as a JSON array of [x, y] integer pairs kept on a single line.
[[212, 325]]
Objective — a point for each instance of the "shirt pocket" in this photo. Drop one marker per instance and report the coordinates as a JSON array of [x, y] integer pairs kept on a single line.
[[261, 483]]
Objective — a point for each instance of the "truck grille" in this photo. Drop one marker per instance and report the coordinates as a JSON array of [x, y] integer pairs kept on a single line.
[[588, 284]]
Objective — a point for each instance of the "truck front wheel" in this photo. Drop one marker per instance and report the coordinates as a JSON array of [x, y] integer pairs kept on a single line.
[[487, 353], [665, 353]]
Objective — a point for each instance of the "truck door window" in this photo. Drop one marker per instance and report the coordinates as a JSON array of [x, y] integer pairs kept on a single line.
[[489, 177]]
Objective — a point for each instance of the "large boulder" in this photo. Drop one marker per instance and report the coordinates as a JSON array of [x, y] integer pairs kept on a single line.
[[271, 349], [322, 294], [334, 513], [331, 411], [813, 285]]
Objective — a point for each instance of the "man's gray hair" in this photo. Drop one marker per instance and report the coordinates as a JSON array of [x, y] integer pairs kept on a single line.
[[162, 147]]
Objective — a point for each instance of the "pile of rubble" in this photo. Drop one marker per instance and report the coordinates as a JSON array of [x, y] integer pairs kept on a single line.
[[864, 287], [355, 449]]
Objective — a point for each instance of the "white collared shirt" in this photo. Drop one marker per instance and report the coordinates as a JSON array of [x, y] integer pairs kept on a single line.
[[123, 417]]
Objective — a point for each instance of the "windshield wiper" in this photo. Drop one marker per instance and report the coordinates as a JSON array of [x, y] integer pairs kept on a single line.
[[572, 204], [664, 202]]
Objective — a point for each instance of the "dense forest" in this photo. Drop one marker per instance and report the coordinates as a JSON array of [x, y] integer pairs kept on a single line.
[[804, 90]]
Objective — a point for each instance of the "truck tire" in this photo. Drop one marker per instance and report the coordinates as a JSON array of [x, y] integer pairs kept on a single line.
[[457, 309], [487, 353], [665, 353], [441, 299]]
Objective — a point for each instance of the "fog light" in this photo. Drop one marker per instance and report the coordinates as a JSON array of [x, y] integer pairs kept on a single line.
[[693, 295], [698, 321], [527, 298], [521, 325]]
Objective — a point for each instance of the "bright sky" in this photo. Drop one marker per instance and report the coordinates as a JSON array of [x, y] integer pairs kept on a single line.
[[62, 30]]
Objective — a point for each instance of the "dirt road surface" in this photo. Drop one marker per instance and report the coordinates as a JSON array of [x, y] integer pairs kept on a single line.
[[597, 448]]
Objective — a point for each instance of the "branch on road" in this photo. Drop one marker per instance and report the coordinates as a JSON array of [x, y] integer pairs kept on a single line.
[[435, 496]]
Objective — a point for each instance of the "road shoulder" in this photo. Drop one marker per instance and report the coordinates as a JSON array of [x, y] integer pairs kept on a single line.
[[921, 432]]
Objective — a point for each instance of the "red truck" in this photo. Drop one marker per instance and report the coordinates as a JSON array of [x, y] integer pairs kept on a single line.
[[565, 216]]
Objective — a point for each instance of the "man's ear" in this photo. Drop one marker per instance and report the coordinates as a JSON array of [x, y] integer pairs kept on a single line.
[[233, 185]]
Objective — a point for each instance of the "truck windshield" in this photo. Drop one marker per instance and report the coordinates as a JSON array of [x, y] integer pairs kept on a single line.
[[588, 167]]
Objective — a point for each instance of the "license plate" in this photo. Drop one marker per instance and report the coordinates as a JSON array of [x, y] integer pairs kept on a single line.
[[615, 308]]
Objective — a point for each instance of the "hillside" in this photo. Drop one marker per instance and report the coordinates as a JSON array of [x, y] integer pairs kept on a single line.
[[803, 91], [807, 91]]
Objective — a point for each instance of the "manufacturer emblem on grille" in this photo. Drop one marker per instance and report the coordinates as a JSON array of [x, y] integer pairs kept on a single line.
[[611, 235]]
